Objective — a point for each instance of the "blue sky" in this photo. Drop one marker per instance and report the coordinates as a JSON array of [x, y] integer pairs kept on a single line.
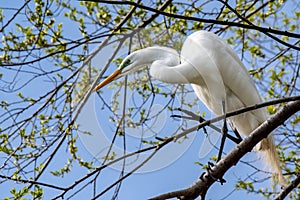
[[173, 168]]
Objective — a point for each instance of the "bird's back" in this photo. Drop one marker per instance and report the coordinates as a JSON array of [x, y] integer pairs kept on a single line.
[[223, 77]]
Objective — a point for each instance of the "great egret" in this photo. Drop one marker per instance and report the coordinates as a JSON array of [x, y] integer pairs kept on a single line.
[[217, 76]]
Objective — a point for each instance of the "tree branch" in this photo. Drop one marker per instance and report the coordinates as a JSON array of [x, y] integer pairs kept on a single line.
[[32, 182], [288, 188], [14, 16], [201, 186], [246, 26], [266, 33]]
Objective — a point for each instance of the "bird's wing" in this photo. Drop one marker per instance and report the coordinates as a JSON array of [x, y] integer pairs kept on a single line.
[[234, 74], [237, 79]]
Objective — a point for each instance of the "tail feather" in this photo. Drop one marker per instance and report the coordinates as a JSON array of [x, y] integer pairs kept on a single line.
[[269, 154]]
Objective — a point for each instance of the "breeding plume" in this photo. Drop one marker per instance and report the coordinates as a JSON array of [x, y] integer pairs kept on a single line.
[[217, 76]]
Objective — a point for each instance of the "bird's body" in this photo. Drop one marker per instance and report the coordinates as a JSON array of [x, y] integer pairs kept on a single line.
[[216, 74]]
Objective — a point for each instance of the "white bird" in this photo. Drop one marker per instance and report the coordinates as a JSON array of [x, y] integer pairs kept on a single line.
[[217, 76]]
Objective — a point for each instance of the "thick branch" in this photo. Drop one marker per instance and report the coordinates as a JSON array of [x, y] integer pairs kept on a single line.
[[201, 186], [288, 188]]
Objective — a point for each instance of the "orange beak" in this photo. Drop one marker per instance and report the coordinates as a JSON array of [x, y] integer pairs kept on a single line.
[[109, 79]]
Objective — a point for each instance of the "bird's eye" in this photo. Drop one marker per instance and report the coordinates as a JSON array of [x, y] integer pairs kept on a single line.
[[125, 64]]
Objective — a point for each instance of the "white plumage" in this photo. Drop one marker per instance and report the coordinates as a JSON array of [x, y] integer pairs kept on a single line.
[[215, 73]]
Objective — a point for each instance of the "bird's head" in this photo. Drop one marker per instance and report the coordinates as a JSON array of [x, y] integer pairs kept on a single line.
[[140, 58], [128, 65]]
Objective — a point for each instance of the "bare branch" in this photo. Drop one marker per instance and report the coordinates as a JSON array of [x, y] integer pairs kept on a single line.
[[32, 182], [15, 15]]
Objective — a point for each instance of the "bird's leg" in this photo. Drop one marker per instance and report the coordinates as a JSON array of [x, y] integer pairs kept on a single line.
[[238, 138], [224, 133]]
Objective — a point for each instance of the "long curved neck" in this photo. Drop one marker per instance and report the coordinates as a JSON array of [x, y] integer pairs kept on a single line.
[[149, 55], [165, 64]]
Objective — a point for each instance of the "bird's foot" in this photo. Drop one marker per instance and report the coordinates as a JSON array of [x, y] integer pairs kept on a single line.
[[209, 170]]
